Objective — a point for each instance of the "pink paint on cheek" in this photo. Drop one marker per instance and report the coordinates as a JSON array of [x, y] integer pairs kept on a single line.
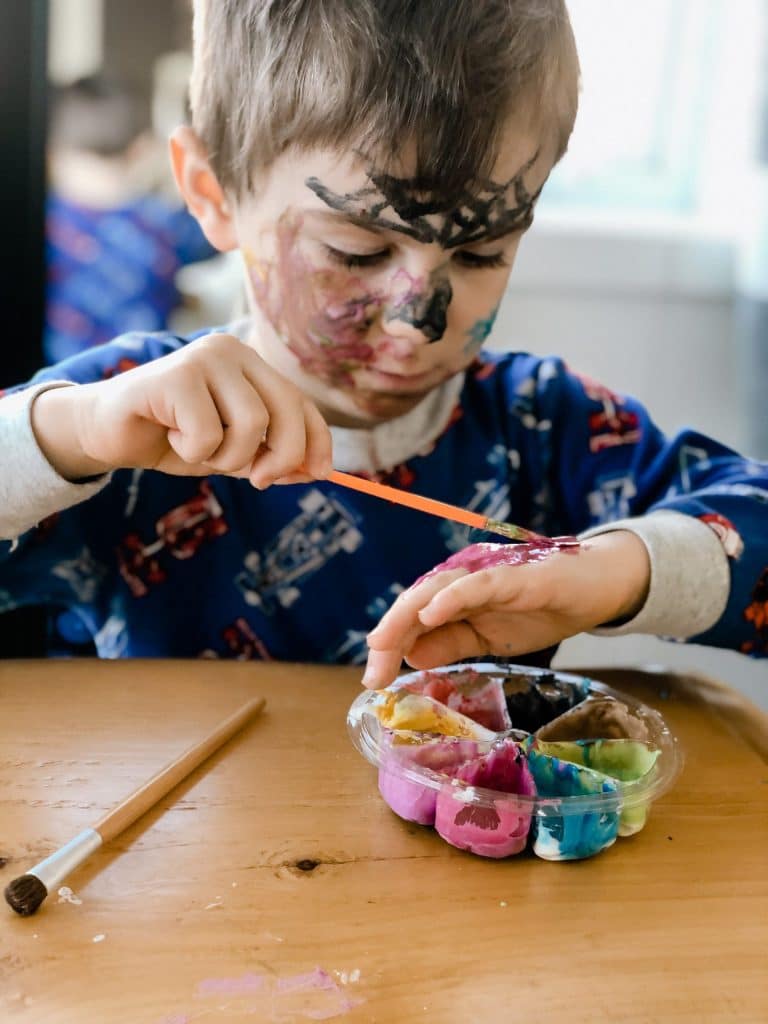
[[338, 331], [488, 556], [322, 315]]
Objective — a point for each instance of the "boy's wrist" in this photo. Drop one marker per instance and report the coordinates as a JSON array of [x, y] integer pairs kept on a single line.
[[628, 574], [54, 418]]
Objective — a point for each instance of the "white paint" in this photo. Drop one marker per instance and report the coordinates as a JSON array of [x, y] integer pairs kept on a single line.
[[67, 896], [99, 938], [464, 794]]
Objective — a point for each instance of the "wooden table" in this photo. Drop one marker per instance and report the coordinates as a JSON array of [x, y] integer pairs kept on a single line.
[[276, 886]]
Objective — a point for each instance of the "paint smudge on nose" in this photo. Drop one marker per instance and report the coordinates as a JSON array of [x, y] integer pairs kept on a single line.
[[423, 305]]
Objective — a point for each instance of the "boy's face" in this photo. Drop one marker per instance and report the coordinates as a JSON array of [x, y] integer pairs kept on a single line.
[[366, 292]]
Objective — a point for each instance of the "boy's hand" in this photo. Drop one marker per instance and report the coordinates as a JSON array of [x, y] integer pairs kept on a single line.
[[510, 609], [213, 406]]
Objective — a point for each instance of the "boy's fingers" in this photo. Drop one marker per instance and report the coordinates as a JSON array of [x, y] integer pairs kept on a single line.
[[469, 594], [245, 420], [294, 478], [401, 624], [319, 445], [198, 431], [382, 668], [441, 646], [285, 441], [444, 645]]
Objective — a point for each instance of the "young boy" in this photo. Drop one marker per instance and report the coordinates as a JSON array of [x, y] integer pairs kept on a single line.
[[377, 164]]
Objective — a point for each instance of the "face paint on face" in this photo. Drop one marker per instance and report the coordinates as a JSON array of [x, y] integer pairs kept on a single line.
[[479, 331], [404, 205], [322, 315], [325, 316], [426, 309]]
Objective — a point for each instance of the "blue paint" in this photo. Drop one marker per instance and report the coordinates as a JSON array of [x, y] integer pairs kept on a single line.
[[479, 331]]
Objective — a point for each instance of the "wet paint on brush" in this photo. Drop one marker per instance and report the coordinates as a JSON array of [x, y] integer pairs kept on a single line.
[[410, 207], [488, 556]]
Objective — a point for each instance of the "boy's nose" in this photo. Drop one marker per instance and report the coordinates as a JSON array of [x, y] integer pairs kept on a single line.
[[425, 310]]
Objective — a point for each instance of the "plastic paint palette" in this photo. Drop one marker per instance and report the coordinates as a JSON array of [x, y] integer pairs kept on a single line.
[[500, 757]]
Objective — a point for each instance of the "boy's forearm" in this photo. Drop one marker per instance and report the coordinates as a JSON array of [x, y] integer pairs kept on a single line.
[[54, 417]]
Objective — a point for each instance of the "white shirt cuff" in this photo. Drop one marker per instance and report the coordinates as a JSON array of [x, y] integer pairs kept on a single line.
[[690, 576], [30, 488]]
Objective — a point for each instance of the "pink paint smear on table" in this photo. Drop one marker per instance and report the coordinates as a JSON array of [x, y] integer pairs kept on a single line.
[[316, 994]]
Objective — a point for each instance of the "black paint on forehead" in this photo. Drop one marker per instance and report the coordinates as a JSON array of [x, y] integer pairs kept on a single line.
[[407, 205]]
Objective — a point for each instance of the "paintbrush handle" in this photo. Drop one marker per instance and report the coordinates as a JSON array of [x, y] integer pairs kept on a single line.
[[442, 509], [120, 817], [430, 505]]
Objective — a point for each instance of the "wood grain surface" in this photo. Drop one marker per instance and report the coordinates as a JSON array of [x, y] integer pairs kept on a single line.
[[274, 885]]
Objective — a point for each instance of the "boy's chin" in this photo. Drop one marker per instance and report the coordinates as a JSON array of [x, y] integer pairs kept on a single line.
[[366, 408]]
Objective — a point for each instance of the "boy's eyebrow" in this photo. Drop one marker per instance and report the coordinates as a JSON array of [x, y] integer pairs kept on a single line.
[[367, 222], [403, 205]]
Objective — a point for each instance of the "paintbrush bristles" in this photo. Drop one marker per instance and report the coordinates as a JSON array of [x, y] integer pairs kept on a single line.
[[508, 530], [25, 894], [519, 533]]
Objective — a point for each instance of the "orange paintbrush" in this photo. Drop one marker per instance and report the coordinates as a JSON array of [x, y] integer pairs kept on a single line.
[[440, 508]]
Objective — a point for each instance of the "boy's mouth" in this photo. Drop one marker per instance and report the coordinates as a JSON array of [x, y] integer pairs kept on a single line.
[[403, 382]]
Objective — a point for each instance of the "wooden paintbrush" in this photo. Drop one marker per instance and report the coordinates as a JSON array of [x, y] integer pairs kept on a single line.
[[446, 511], [26, 893]]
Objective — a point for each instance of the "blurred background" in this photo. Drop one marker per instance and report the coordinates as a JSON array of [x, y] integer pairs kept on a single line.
[[647, 267]]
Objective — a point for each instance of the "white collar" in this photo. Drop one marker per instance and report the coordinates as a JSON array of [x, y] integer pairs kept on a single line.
[[381, 447], [385, 445]]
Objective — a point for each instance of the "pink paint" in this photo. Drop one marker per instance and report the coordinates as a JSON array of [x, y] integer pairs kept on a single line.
[[325, 315], [316, 979], [491, 828], [245, 984], [310, 985], [470, 693], [488, 556], [399, 784]]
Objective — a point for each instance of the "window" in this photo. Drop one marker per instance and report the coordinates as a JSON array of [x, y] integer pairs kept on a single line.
[[668, 109]]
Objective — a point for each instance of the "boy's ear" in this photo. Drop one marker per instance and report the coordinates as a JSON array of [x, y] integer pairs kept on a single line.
[[201, 190]]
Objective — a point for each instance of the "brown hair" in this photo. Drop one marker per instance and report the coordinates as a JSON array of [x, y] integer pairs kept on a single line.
[[375, 74]]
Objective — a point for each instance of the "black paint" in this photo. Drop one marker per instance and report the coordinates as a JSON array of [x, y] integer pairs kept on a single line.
[[427, 312], [493, 210]]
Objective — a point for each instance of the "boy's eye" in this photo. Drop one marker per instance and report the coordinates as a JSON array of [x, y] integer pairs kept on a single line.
[[475, 260], [353, 259]]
